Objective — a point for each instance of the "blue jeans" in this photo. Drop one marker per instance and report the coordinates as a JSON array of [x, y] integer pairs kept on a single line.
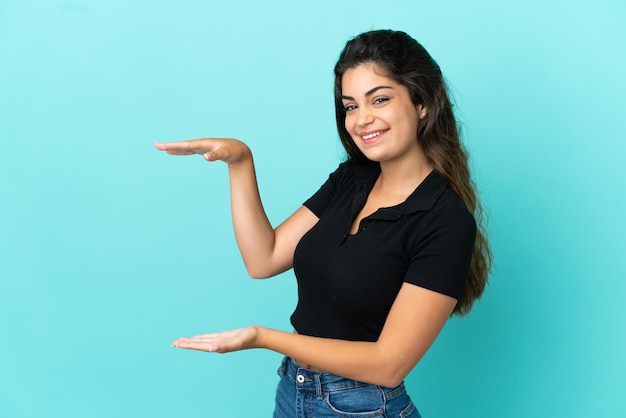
[[303, 393]]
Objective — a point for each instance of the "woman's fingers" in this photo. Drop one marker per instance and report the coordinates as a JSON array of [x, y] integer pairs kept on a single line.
[[193, 344], [204, 342], [198, 146]]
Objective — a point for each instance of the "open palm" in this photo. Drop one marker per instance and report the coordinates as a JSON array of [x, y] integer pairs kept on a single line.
[[221, 342]]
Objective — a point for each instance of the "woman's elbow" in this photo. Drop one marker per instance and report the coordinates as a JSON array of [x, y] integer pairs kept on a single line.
[[261, 270], [393, 371], [257, 273], [391, 380], [265, 268]]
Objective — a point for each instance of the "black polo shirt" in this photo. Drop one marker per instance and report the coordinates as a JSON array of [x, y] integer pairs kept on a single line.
[[347, 283]]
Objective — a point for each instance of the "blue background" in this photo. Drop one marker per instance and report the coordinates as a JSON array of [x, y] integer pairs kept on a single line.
[[109, 249]]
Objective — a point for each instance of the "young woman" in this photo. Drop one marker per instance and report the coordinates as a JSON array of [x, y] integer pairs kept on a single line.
[[384, 253]]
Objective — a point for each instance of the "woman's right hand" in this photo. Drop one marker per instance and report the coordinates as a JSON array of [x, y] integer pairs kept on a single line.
[[229, 150]]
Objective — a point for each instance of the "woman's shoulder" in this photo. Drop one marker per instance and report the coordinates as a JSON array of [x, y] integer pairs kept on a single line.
[[444, 205], [452, 212]]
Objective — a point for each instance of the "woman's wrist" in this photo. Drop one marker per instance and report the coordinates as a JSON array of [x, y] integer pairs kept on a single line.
[[245, 155], [259, 339]]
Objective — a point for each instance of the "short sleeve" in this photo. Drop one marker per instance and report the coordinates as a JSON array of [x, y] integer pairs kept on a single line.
[[321, 199], [441, 257]]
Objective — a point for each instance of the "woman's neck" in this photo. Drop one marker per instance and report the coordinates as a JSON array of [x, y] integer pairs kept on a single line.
[[401, 177]]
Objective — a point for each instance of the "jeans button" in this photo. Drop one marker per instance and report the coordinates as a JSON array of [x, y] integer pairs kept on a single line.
[[300, 378]]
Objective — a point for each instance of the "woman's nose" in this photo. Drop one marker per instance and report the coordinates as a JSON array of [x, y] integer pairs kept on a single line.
[[365, 118]]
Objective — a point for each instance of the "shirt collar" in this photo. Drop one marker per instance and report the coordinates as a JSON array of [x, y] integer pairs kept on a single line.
[[423, 197]]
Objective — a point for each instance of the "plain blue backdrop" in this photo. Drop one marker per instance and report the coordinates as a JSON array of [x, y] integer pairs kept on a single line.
[[109, 250]]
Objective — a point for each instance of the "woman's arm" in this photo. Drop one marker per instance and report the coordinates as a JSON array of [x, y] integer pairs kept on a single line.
[[265, 251], [416, 318]]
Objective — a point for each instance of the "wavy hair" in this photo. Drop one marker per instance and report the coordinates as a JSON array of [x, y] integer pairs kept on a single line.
[[406, 61]]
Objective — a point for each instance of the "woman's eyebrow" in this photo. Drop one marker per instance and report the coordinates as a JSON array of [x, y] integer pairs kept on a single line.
[[368, 93]]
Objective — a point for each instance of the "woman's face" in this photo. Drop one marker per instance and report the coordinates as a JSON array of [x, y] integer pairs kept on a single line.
[[380, 117]]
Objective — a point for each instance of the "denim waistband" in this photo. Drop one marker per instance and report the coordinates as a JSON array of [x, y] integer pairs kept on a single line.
[[305, 378]]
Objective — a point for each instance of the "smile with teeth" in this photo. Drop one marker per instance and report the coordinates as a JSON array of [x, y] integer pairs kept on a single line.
[[372, 135]]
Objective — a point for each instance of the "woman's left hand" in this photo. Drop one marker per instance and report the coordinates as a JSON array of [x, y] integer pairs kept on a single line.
[[221, 342]]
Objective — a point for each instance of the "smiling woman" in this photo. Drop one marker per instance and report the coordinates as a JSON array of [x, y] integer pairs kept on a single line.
[[384, 252], [380, 117]]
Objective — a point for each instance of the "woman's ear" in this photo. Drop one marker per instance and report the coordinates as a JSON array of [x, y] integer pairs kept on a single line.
[[422, 111]]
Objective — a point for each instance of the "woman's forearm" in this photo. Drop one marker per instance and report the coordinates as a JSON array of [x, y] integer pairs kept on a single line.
[[416, 318], [358, 360], [266, 251], [253, 231]]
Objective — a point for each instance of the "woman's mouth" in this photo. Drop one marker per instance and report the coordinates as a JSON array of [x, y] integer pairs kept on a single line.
[[372, 136]]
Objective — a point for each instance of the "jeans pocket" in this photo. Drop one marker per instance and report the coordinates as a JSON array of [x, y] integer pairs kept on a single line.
[[410, 412], [399, 403], [365, 401]]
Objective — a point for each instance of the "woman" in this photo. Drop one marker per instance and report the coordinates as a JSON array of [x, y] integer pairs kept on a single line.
[[384, 252]]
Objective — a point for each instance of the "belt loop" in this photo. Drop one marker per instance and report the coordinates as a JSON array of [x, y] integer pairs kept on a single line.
[[318, 385]]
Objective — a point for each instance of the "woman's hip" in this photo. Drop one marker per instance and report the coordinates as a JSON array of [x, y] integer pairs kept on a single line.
[[304, 393]]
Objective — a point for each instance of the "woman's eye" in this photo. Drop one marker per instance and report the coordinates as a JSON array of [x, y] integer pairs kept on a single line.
[[381, 100], [348, 108]]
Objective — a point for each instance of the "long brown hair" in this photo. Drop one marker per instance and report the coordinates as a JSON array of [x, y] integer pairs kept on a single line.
[[406, 61]]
